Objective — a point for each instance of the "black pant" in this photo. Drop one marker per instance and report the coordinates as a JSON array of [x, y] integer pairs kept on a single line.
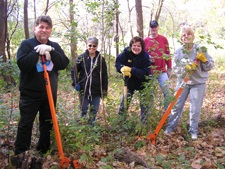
[[29, 107]]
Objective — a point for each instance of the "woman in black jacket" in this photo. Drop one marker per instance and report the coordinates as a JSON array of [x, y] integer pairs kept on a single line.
[[90, 78], [134, 63]]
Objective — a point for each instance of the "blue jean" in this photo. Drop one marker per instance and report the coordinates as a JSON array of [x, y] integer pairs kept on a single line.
[[144, 109], [94, 102], [165, 87], [197, 93]]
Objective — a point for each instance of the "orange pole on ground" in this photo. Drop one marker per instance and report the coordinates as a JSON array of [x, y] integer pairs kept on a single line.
[[64, 161], [152, 136]]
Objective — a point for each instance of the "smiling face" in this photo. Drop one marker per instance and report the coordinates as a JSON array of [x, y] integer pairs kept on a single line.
[[42, 32], [187, 38], [187, 35], [136, 48], [92, 47]]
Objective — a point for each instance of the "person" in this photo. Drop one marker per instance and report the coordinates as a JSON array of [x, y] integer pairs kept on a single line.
[[89, 76], [157, 47], [134, 64], [190, 57], [33, 94]]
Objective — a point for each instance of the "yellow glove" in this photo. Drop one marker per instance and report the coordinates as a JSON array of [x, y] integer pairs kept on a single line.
[[200, 56], [191, 67], [125, 69], [126, 74]]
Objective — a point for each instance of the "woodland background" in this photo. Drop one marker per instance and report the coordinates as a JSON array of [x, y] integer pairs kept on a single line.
[[114, 23]]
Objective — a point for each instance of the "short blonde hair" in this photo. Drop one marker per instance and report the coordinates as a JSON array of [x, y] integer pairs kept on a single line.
[[186, 29]]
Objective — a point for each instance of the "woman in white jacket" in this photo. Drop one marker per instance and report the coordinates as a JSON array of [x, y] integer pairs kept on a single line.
[[188, 58]]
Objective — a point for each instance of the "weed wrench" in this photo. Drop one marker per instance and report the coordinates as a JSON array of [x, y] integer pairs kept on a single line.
[[64, 161], [152, 136]]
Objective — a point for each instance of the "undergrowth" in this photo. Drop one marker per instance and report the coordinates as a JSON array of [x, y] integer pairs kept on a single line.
[[93, 144]]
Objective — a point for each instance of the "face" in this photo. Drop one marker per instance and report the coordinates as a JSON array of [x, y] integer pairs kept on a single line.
[[42, 32], [154, 30], [136, 48], [187, 37], [92, 47]]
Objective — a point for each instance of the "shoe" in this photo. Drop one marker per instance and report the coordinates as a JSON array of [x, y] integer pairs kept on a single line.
[[194, 136], [166, 132]]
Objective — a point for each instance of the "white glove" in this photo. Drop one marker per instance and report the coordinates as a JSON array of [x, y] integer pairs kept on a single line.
[[41, 49], [47, 55]]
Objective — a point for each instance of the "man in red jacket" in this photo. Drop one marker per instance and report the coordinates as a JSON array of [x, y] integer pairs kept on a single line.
[[157, 47]]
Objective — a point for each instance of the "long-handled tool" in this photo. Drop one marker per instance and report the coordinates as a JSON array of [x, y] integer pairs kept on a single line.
[[64, 161], [152, 136], [125, 93]]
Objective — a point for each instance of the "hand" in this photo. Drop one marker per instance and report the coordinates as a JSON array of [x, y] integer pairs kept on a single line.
[[200, 56], [191, 67], [41, 49], [47, 55], [125, 69], [169, 72], [126, 74], [77, 87]]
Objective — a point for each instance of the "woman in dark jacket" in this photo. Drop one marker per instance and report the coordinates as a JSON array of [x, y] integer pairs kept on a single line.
[[90, 78], [134, 63]]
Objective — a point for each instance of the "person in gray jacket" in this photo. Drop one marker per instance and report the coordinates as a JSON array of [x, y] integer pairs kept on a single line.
[[194, 60]]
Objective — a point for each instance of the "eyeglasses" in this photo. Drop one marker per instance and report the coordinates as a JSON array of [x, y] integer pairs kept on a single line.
[[94, 46], [153, 26]]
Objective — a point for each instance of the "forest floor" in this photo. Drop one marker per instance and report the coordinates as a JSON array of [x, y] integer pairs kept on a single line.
[[177, 150]]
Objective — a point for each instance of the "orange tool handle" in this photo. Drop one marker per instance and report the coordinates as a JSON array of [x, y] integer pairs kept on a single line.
[[152, 137], [64, 161]]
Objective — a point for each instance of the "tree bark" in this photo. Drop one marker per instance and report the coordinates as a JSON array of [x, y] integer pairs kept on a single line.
[[129, 18], [125, 155], [26, 29], [73, 41], [116, 39], [158, 12], [3, 19], [139, 14]]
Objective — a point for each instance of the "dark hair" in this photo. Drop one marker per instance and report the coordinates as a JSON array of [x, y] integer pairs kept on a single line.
[[43, 18], [137, 39]]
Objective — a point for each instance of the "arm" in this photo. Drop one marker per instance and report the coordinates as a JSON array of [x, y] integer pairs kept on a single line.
[[121, 61], [144, 69], [209, 64], [179, 64], [167, 52], [27, 57], [104, 75], [58, 57], [75, 70]]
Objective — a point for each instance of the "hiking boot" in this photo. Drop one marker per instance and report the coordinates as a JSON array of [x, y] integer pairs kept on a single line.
[[167, 132], [194, 136]]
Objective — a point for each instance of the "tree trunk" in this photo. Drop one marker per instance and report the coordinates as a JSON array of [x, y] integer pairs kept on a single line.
[[3, 19], [116, 38], [139, 14], [158, 12], [73, 41], [47, 5], [26, 29], [129, 18]]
